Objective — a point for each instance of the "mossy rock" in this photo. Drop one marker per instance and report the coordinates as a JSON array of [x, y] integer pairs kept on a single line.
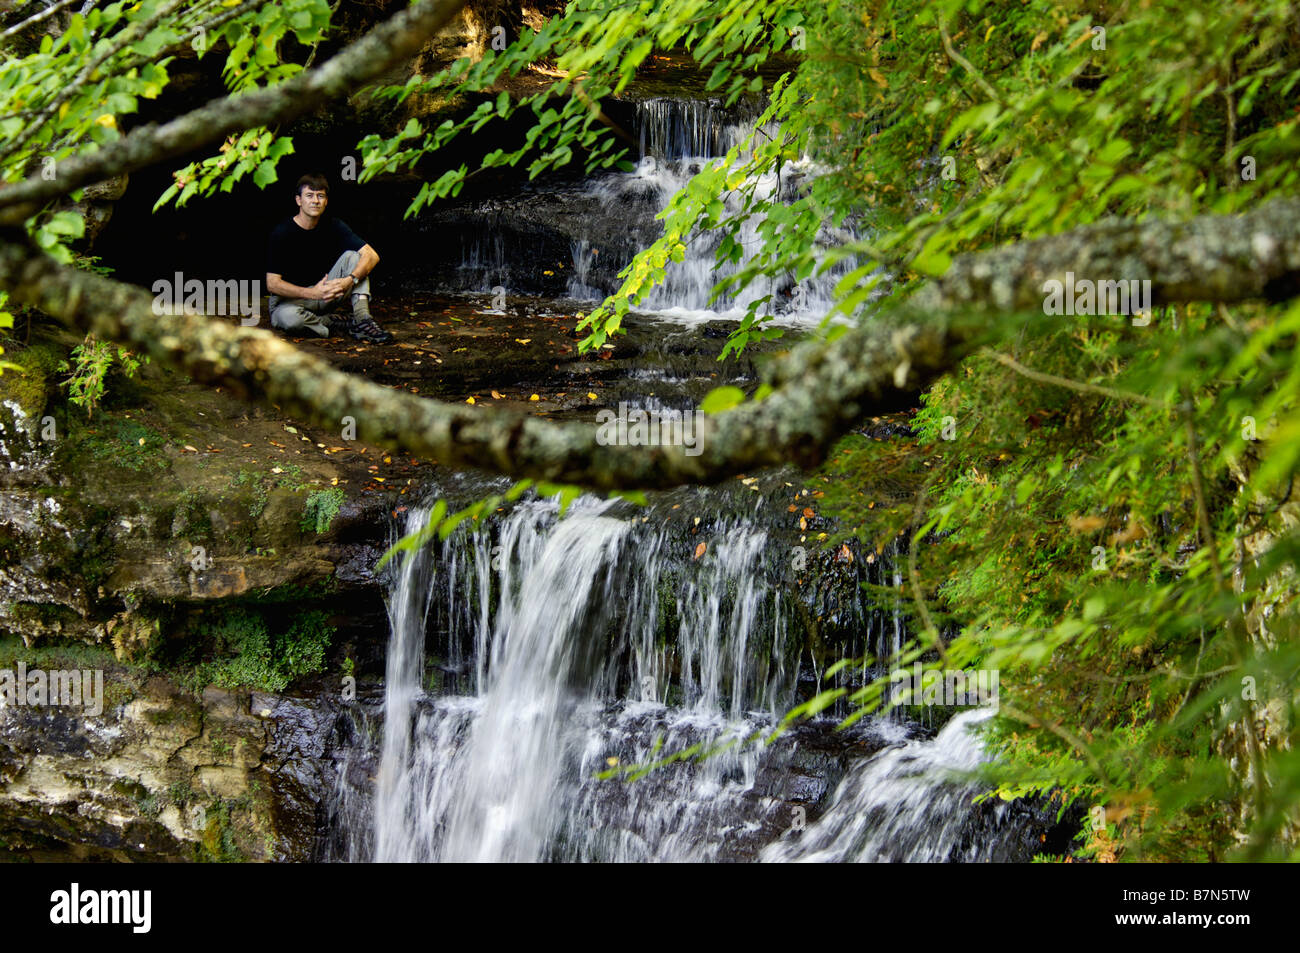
[[29, 387]]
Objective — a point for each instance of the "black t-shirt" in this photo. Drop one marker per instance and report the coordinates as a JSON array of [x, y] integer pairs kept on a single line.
[[302, 256]]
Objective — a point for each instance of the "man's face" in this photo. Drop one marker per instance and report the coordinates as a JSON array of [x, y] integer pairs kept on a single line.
[[312, 202]]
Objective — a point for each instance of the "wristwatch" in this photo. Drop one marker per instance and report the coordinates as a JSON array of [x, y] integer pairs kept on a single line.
[[355, 281]]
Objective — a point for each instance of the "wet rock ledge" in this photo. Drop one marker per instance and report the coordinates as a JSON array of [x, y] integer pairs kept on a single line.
[[191, 546]]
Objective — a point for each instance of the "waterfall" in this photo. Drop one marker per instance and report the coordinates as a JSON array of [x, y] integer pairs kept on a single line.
[[608, 640], [691, 128], [404, 667], [484, 263], [677, 137], [558, 668], [907, 803], [564, 238], [517, 749]]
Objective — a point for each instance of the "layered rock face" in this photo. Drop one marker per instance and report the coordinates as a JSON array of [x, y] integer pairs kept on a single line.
[[165, 776]]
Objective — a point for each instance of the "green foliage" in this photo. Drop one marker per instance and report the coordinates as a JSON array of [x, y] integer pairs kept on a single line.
[[6, 322], [192, 513], [87, 374], [92, 263], [1074, 559], [71, 93], [720, 399], [6, 318], [1147, 684], [596, 48], [218, 844], [259, 494], [442, 525], [320, 509], [302, 648], [254, 150], [125, 443], [255, 657]]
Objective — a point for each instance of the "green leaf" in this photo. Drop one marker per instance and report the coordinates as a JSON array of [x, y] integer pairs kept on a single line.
[[722, 398], [932, 263], [265, 174]]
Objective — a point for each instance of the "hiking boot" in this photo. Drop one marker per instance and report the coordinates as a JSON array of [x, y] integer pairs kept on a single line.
[[365, 329]]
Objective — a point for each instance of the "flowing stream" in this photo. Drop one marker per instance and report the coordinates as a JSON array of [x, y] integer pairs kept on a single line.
[[562, 648], [612, 216], [538, 652], [912, 789]]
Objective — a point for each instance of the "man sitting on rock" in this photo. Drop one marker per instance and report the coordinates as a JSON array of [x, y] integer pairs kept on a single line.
[[305, 246]]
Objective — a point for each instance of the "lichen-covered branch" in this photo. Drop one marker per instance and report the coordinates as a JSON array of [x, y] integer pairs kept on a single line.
[[391, 43], [795, 425], [1210, 258], [823, 389]]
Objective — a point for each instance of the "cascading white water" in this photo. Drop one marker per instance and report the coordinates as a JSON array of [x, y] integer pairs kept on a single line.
[[404, 667], [677, 138], [518, 749], [689, 128], [596, 642], [484, 263], [906, 803], [574, 675]]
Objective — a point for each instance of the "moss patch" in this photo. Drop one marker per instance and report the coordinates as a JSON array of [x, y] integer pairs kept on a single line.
[[252, 649], [29, 386], [121, 682], [320, 509]]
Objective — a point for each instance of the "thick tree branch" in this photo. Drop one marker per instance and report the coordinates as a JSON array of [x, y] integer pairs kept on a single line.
[[384, 47], [36, 18], [824, 389], [1211, 258], [795, 425], [1219, 258], [133, 31]]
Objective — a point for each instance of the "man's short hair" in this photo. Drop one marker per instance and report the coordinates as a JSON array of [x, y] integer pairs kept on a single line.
[[313, 180]]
